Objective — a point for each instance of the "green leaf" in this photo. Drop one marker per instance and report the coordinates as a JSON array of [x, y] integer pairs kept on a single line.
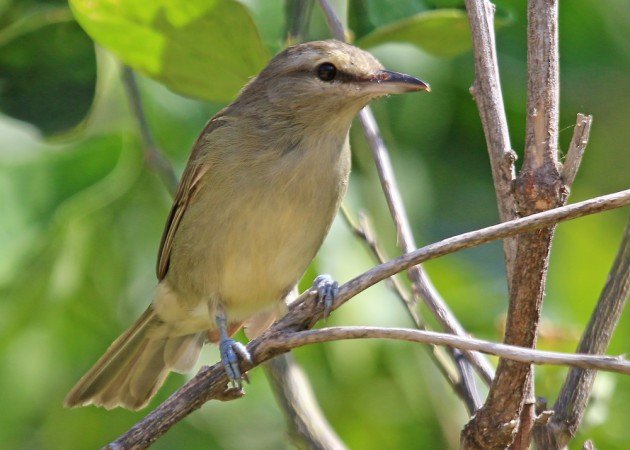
[[364, 16], [443, 32], [47, 70], [201, 48]]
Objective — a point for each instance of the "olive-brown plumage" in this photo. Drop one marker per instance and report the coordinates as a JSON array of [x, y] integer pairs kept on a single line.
[[257, 197]]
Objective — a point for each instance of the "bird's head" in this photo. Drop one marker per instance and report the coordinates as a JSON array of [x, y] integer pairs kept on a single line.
[[326, 79]]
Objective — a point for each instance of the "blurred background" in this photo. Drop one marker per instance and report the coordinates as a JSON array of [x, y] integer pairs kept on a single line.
[[81, 214]]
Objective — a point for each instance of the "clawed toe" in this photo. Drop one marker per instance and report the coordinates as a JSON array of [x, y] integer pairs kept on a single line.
[[327, 289], [232, 353]]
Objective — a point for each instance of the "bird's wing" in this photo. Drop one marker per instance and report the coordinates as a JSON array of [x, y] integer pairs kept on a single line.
[[186, 191]]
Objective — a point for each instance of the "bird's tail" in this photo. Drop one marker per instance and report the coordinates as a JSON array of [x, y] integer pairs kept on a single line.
[[134, 367]]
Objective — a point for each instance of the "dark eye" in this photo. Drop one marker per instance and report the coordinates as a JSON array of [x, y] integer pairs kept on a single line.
[[326, 71]]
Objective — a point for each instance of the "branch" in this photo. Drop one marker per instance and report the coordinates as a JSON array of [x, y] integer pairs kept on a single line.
[[298, 13], [591, 362], [422, 284], [211, 382], [579, 141], [486, 91], [334, 24], [508, 415], [364, 232], [307, 426], [423, 287], [574, 395], [543, 86], [152, 154]]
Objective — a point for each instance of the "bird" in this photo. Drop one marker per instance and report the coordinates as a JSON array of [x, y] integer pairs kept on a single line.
[[261, 188]]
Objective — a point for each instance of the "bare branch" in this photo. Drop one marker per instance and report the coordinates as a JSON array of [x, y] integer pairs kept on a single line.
[[574, 395], [307, 426], [388, 180], [152, 154], [592, 362], [509, 408], [298, 14], [486, 91], [543, 85], [334, 24], [364, 232], [423, 287], [211, 382], [579, 141]]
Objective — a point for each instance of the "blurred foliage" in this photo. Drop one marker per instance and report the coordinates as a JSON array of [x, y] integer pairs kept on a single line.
[[81, 216], [44, 55], [203, 48], [442, 32]]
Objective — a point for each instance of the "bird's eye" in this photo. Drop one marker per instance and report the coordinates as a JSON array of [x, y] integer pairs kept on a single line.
[[326, 71]]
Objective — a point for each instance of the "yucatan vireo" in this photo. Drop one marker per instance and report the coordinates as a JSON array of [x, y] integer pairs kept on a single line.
[[258, 195]]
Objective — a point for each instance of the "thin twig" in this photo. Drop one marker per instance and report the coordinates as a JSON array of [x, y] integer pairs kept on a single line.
[[423, 287], [298, 13], [486, 91], [575, 393], [364, 232], [421, 282], [211, 382], [308, 427], [153, 156], [579, 141], [591, 362], [334, 24]]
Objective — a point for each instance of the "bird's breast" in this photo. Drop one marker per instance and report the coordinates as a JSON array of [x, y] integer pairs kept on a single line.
[[255, 226]]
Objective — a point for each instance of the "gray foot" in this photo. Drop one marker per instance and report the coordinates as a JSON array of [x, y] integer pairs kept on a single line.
[[327, 290], [231, 353]]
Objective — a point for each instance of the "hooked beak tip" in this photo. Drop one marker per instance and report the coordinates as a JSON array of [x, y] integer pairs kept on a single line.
[[396, 82]]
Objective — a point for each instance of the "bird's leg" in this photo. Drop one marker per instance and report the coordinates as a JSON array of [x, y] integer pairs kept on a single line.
[[231, 352], [327, 290]]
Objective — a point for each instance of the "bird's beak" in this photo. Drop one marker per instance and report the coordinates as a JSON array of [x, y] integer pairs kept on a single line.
[[386, 82]]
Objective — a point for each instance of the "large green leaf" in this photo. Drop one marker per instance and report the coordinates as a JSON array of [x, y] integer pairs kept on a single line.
[[47, 69], [201, 48], [443, 32]]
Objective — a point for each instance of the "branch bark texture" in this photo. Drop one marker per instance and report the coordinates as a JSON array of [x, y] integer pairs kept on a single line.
[[507, 417], [575, 393], [487, 93]]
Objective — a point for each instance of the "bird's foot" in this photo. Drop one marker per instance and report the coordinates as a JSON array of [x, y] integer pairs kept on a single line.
[[327, 290], [232, 352]]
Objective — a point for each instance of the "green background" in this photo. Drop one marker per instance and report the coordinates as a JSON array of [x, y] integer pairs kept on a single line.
[[81, 215]]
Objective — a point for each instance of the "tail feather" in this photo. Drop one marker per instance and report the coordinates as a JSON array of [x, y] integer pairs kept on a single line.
[[182, 353], [108, 393], [147, 374], [135, 366]]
